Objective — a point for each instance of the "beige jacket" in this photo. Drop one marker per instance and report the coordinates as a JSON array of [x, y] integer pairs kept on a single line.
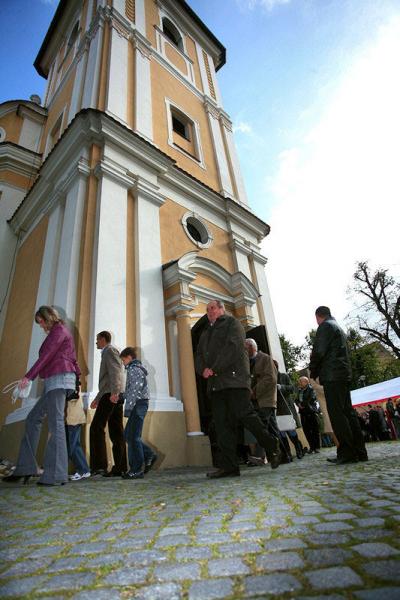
[[75, 412], [112, 373], [264, 377]]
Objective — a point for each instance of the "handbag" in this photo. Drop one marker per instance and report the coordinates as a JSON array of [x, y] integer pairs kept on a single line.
[[17, 391], [284, 415]]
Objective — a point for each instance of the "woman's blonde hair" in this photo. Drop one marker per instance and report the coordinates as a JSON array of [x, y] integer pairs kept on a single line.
[[49, 315]]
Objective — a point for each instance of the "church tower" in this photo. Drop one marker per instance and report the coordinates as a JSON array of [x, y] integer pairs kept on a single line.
[[122, 204]]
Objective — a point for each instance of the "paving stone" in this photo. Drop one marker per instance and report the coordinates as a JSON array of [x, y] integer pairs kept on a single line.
[[66, 564], [242, 548], [90, 548], [103, 560], [384, 569], [375, 550], [371, 522], [279, 561], [70, 581], [261, 534], [46, 551], [193, 553], [332, 527], [21, 586], [330, 597], [177, 571], [171, 540], [296, 530], [26, 567], [325, 557], [220, 567], [98, 594], [328, 539], [242, 526], [214, 538], [370, 534], [271, 584], [384, 593], [335, 577], [339, 516], [284, 544], [170, 591], [210, 589], [127, 576], [305, 520]]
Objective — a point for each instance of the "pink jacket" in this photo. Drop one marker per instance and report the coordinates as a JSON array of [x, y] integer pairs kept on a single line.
[[56, 354]]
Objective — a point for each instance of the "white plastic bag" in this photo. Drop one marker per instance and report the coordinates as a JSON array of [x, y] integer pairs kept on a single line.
[[17, 391]]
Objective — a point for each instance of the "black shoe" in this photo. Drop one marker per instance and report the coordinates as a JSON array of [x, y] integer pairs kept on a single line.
[[131, 475], [16, 478], [316, 451], [223, 473], [112, 474], [149, 464], [97, 472], [275, 460], [332, 460], [50, 484], [363, 457], [342, 461]]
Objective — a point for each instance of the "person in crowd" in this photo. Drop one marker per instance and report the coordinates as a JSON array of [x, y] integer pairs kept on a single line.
[[394, 418], [383, 424], [58, 368], [222, 360], [141, 458], [374, 423], [75, 418], [108, 411], [330, 362], [285, 389], [309, 409]]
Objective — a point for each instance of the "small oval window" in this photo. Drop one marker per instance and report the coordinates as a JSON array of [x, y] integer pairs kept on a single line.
[[197, 230]]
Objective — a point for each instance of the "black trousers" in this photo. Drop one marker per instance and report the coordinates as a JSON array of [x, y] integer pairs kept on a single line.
[[344, 420], [231, 407], [107, 412], [310, 425]]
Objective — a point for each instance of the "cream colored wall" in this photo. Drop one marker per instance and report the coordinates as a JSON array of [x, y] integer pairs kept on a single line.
[[191, 51], [16, 336], [175, 243], [152, 18], [15, 178], [165, 85], [12, 124]]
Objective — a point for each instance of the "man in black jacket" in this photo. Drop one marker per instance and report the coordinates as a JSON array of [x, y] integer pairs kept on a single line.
[[222, 360], [330, 362]]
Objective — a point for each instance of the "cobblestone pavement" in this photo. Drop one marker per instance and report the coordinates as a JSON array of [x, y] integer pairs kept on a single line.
[[308, 530]]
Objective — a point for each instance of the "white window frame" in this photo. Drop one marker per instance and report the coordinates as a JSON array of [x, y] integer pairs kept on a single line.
[[3, 134], [201, 226], [195, 127]]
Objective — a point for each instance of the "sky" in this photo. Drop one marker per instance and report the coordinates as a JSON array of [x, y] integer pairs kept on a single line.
[[313, 91]]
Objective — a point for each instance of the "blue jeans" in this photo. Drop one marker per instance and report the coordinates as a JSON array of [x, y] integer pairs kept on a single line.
[[138, 452], [75, 451]]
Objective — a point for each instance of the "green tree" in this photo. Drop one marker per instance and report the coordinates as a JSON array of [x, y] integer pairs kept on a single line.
[[366, 367], [292, 354]]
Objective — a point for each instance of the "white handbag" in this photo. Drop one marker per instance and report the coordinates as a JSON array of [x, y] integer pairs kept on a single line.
[[286, 422], [17, 391]]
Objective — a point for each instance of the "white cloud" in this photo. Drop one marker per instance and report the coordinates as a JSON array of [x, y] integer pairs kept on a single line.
[[242, 127], [336, 196], [269, 5]]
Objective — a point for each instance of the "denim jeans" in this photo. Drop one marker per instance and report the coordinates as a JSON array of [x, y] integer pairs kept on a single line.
[[138, 452], [75, 451]]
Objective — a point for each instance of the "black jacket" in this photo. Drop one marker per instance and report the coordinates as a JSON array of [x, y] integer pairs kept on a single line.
[[330, 359], [221, 348], [307, 401]]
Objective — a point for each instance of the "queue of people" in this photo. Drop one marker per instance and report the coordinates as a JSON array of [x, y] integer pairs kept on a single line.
[[243, 383]]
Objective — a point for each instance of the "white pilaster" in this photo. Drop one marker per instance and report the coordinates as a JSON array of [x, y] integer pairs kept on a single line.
[[117, 94], [150, 315], [76, 98], [219, 150], [91, 88], [237, 173], [70, 244], [270, 323], [109, 266], [203, 72], [143, 104], [140, 16]]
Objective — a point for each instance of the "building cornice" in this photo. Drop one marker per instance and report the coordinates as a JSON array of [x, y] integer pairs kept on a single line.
[[19, 160]]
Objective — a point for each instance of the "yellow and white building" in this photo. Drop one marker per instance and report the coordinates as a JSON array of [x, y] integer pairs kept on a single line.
[[122, 204]]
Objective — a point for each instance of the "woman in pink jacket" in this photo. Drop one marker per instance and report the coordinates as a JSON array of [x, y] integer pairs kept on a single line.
[[58, 368]]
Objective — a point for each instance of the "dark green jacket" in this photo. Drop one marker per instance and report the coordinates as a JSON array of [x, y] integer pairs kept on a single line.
[[221, 348], [330, 359]]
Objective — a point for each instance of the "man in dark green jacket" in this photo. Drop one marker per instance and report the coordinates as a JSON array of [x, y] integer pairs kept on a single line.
[[222, 360], [330, 362]]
